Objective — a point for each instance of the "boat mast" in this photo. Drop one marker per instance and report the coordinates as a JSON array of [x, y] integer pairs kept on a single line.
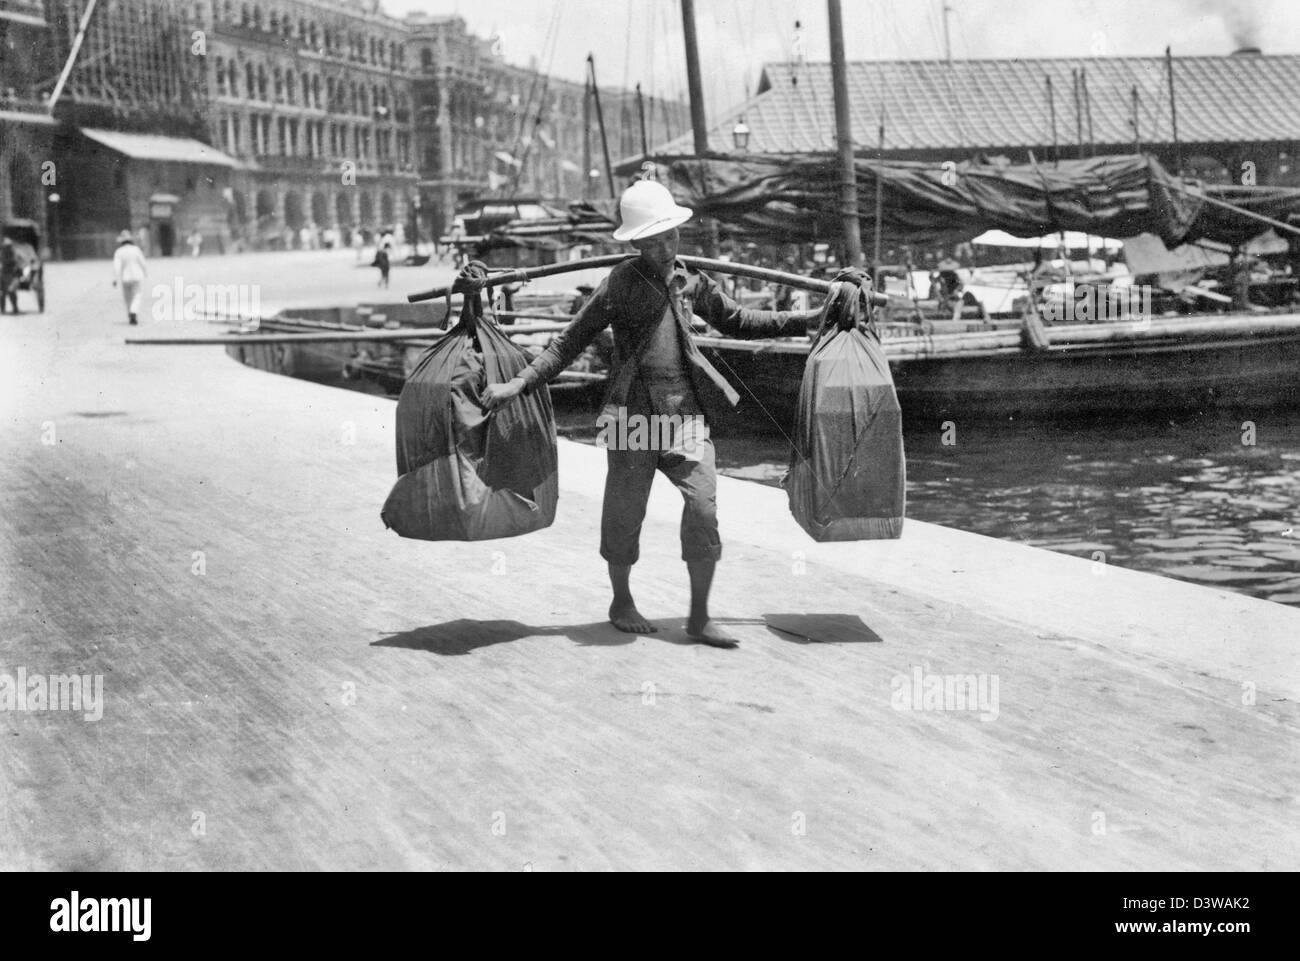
[[1137, 129], [844, 138], [1087, 104], [698, 125], [694, 86], [586, 140], [1078, 114], [880, 187], [1051, 106], [640, 113], [600, 121], [1173, 109]]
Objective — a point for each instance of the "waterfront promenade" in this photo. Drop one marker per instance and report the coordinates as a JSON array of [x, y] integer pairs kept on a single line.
[[287, 685]]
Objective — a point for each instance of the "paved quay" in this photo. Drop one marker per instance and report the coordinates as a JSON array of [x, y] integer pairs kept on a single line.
[[287, 685]]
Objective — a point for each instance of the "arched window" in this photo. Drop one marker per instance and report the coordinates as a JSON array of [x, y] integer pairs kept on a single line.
[[221, 75], [274, 21], [290, 90], [250, 81], [278, 78], [261, 82], [257, 18], [315, 90], [233, 78], [426, 58], [245, 17]]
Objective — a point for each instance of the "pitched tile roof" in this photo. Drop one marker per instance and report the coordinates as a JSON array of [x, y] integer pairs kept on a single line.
[[982, 104]]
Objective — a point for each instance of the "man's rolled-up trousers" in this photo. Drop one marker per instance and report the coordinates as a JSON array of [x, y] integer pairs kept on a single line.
[[689, 463]]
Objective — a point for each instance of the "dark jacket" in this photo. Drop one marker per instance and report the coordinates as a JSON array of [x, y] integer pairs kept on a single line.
[[631, 301]]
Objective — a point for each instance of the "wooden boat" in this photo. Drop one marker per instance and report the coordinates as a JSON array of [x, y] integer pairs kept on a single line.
[[944, 370], [1166, 364]]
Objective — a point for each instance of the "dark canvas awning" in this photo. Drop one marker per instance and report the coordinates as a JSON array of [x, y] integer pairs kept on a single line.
[[794, 199], [148, 146]]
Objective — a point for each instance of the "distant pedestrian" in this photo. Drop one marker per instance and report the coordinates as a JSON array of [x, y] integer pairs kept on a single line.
[[10, 275], [129, 270], [195, 241], [383, 262]]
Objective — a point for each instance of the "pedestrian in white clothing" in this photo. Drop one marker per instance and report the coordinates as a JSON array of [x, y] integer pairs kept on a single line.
[[129, 270]]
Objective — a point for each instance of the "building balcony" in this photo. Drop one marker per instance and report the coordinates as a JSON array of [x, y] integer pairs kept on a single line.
[[330, 166], [312, 166], [247, 34]]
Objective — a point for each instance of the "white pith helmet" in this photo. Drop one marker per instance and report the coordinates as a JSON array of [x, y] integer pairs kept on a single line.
[[647, 208]]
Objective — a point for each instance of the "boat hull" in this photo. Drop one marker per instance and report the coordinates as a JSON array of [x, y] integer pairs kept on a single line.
[[1191, 374], [1234, 364]]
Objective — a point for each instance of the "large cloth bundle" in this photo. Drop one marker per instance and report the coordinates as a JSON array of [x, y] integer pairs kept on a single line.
[[465, 474], [847, 474]]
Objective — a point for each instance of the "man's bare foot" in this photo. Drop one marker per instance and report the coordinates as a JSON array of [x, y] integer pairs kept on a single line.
[[709, 633], [628, 619]]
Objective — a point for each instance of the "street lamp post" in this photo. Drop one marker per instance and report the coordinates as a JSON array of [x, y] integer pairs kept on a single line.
[[740, 135], [52, 222]]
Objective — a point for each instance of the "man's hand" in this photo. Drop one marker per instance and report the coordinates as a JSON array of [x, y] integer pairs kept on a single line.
[[498, 395]]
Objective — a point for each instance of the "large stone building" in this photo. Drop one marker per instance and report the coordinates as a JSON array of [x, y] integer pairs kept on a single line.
[[313, 99], [131, 147], [26, 129], [483, 124], [271, 123]]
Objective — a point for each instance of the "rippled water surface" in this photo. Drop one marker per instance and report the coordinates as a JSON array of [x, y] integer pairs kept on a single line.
[[1189, 498]]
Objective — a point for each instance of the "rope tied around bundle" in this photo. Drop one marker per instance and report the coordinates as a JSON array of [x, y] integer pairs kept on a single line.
[[470, 281], [848, 303]]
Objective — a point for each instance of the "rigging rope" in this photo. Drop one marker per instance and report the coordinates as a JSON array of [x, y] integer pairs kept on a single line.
[[552, 39]]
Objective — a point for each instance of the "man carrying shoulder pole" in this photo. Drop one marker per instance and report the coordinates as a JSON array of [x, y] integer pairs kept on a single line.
[[658, 375]]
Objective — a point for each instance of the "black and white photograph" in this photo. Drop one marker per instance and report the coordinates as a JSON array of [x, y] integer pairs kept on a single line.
[[660, 436]]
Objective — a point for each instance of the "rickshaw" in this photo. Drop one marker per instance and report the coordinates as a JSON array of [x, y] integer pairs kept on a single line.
[[29, 272]]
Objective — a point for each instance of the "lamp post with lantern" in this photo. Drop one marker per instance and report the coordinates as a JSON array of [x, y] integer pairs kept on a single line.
[[740, 136]]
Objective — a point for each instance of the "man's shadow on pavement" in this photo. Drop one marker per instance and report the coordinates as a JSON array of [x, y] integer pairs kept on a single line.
[[461, 636]]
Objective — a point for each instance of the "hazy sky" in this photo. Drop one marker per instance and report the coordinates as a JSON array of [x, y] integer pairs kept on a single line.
[[641, 40]]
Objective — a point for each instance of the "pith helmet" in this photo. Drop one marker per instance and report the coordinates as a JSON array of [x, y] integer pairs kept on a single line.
[[646, 209], [125, 237]]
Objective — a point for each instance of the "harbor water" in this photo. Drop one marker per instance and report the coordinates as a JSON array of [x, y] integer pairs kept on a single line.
[[1211, 499]]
